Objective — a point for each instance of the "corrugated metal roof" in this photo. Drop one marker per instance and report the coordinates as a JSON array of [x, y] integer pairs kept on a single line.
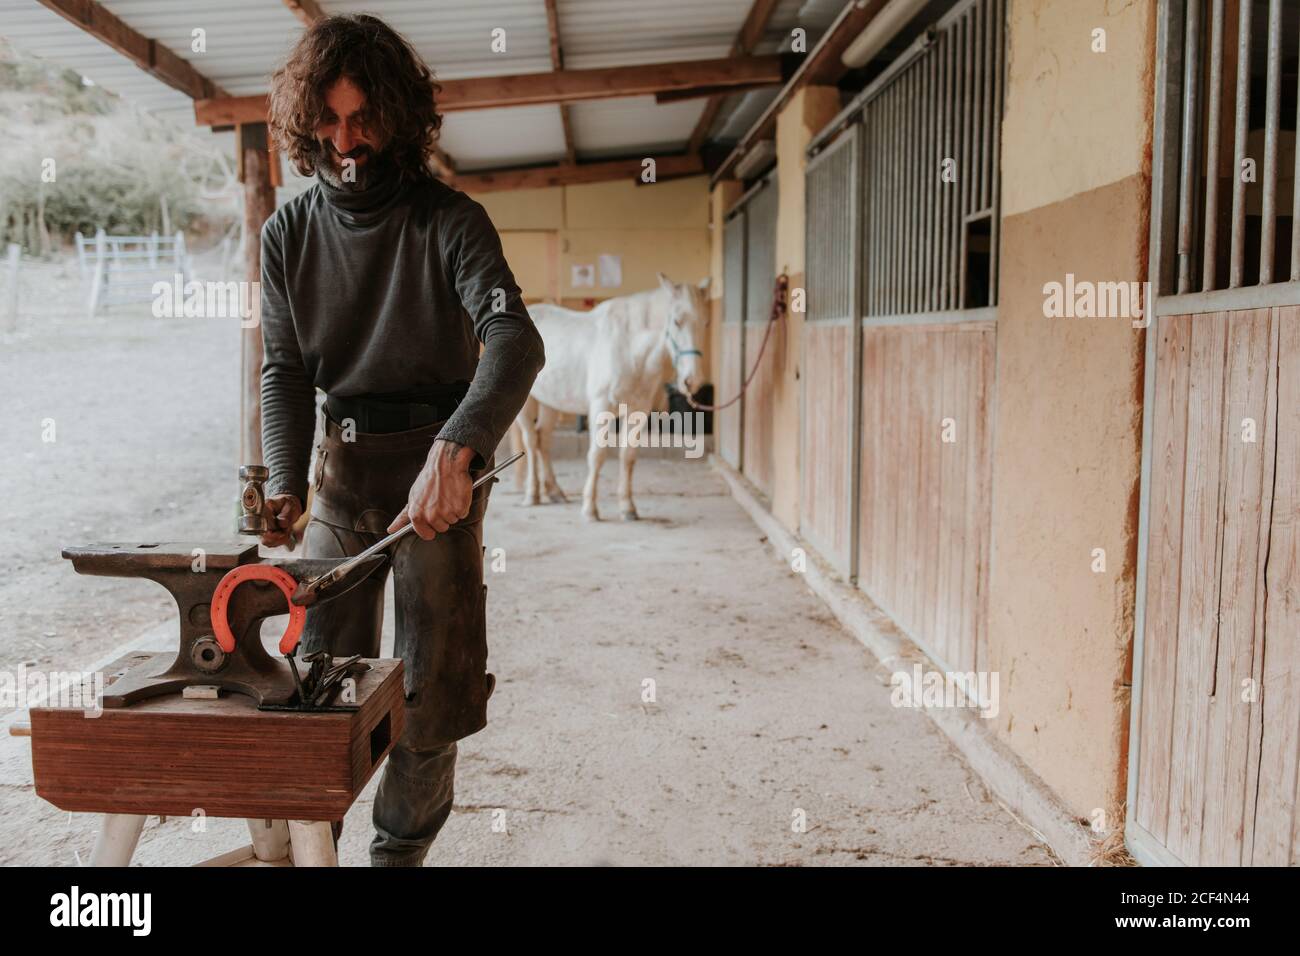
[[633, 125], [246, 39], [598, 33], [39, 31], [513, 136]]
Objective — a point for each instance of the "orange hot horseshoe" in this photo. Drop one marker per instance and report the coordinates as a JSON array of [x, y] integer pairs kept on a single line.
[[256, 572]]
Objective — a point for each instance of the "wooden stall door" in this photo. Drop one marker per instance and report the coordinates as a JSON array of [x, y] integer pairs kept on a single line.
[[733, 339], [828, 366], [1219, 709], [929, 314], [926, 471]]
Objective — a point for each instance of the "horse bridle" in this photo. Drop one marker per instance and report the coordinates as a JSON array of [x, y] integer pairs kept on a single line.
[[677, 351]]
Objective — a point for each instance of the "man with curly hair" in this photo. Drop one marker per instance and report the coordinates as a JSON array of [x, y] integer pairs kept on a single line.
[[378, 285]]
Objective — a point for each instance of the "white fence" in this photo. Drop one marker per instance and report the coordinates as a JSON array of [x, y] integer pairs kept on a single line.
[[125, 268]]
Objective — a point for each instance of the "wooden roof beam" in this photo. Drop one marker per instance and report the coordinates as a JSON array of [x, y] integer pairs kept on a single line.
[[535, 89], [822, 67], [751, 31], [571, 174], [151, 56]]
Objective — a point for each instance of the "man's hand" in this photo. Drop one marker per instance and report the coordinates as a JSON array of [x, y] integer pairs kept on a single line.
[[441, 494], [283, 512]]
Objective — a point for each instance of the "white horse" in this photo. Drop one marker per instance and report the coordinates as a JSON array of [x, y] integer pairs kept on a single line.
[[621, 353]]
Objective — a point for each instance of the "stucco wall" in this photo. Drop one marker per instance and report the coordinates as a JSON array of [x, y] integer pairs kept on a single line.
[[652, 227], [1066, 457], [806, 113], [1073, 121]]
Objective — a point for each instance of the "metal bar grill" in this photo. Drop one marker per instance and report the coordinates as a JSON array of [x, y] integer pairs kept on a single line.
[[961, 154], [1214, 120], [760, 253], [1272, 111], [875, 179], [931, 180], [999, 68], [945, 194], [932, 129], [1240, 132], [977, 114], [1208, 95], [889, 283], [1295, 195], [963, 171], [733, 269], [907, 283], [830, 241], [1187, 160]]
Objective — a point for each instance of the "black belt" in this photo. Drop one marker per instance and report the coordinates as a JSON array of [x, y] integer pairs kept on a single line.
[[397, 412]]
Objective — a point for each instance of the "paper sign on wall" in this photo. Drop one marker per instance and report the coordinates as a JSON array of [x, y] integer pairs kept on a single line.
[[583, 276], [611, 270]]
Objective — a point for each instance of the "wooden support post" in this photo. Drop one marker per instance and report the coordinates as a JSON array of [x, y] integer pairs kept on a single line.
[[312, 843], [259, 203], [98, 279], [270, 839], [118, 835], [13, 261]]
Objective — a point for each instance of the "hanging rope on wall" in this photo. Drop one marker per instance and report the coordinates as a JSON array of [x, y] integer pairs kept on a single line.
[[779, 305]]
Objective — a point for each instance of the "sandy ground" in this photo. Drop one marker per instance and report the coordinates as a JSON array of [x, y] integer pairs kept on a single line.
[[763, 706]]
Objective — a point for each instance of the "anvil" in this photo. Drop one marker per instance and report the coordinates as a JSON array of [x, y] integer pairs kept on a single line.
[[191, 573]]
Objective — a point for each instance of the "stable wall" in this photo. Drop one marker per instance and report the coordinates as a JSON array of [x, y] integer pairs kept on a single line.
[[808, 111], [1067, 432], [1068, 392], [653, 227]]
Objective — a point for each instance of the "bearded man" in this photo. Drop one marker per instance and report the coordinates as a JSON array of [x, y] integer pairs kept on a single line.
[[379, 283]]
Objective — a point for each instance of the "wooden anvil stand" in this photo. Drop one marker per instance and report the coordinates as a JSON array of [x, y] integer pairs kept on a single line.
[[150, 748]]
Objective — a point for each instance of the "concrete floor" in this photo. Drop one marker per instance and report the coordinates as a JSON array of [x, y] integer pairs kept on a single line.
[[763, 706]]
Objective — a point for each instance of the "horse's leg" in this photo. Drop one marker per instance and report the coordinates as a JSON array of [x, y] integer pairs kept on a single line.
[[595, 458], [629, 439], [520, 468], [546, 420], [528, 434]]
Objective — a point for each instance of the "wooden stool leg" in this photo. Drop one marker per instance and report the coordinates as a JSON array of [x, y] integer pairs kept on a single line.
[[270, 839], [118, 836], [312, 843]]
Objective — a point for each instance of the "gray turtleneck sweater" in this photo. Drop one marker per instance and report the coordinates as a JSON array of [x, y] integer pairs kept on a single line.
[[381, 292]]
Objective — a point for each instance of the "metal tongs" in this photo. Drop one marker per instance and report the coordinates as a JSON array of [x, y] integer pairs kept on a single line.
[[307, 591]]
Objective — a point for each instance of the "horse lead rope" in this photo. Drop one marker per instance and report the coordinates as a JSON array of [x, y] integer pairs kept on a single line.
[[778, 309]]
